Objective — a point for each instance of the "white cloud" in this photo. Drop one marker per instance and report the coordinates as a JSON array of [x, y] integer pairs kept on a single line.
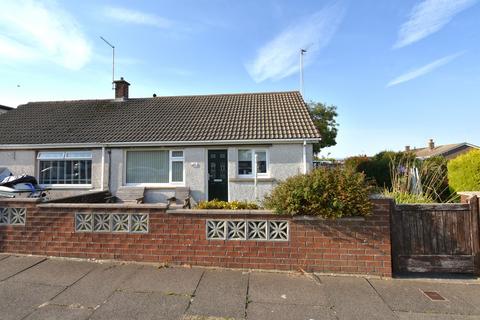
[[34, 30], [428, 17], [12, 49], [424, 69], [279, 57], [137, 17]]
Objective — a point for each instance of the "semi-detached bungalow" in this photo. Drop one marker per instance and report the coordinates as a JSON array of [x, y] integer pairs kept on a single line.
[[226, 146]]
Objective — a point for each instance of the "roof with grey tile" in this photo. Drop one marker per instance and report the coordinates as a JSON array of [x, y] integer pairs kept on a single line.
[[247, 116], [5, 107], [445, 150]]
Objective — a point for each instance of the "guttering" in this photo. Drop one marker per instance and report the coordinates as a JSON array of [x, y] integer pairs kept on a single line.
[[152, 143]]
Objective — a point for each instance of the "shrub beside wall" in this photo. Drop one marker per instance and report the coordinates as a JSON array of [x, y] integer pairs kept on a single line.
[[225, 205], [326, 192], [376, 168], [464, 172]]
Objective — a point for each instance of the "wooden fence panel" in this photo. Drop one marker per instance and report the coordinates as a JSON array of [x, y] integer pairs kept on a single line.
[[436, 237]]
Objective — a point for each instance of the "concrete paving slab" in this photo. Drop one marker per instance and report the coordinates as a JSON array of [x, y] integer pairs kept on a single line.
[[88, 293], [469, 293], [432, 316], [4, 256], [51, 312], [142, 306], [55, 272], [15, 264], [164, 280], [413, 300], [284, 288], [273, 311], [354, 298], [221, 293], [19, 299]]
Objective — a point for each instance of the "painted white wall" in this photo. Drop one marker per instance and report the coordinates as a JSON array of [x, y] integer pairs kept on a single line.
[[18, 161], [25, 161], [285, 160], [194, 166]]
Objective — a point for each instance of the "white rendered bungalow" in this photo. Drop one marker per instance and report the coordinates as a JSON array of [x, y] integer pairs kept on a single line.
[[226, 146]]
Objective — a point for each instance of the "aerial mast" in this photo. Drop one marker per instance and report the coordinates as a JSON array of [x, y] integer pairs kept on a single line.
[[113, 60]]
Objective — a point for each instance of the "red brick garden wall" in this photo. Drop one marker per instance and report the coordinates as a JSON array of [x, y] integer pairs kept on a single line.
[[352, 246]]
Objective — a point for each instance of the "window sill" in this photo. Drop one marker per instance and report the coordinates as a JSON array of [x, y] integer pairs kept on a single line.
[[67, 186], [250, 179], [155, 185]]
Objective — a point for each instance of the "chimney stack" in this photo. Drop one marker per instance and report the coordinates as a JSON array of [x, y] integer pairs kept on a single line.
[[121, 89], [431, 144], [407, 148]]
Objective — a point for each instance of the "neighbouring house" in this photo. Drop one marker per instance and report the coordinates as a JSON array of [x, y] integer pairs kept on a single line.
[[4, 109], [225, 146], [448, 151]]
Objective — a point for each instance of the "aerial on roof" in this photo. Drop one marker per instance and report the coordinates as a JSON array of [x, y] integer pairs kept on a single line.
[[248, 116]]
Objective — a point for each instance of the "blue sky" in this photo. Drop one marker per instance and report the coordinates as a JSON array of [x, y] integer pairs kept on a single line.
[[400, 72]]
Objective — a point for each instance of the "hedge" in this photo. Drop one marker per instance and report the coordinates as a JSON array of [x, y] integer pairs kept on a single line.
[[464, 172], [325, 192]]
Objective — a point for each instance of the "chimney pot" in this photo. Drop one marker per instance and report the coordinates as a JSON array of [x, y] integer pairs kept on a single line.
[[121, 89], [431, 144]]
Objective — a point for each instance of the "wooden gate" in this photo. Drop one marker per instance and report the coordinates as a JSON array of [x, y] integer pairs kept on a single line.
[[436, 237]]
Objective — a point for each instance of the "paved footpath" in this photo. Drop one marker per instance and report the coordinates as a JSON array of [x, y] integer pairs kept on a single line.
[[39, 288]]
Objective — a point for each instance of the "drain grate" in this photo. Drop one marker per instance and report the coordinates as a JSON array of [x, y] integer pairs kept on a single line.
[[433, 295]]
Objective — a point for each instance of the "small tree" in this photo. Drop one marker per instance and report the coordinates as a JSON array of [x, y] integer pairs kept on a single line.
[[324, 119], [464, 172]]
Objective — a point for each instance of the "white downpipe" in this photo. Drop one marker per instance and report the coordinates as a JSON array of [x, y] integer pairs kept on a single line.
[[255, 157], [305, 168], [102, 178]]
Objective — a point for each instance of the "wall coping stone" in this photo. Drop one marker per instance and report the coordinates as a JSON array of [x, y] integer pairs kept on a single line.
[[220, 211], [105, 205], [469, 193], [32, 200], [318, 218], [432, 207], [258, 212]]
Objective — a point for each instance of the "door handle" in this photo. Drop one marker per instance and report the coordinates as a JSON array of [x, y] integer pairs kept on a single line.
[[217, 180]]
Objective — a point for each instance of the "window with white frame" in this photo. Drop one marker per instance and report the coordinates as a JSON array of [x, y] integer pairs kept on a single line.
[[251, 162], [154, 167], [65, 168]]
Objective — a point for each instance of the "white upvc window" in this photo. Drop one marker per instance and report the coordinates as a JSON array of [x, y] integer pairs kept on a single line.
[[68, 168], [154, 167], [253, 162]]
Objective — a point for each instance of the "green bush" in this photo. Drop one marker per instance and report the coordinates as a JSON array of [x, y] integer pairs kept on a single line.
[[464, 172], [419, 181], [406, 197], [434, 175], [376, 168], [233, 205], [326, 192]]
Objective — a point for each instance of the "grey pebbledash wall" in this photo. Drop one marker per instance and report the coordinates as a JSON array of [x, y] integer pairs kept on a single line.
[[285, 160]]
